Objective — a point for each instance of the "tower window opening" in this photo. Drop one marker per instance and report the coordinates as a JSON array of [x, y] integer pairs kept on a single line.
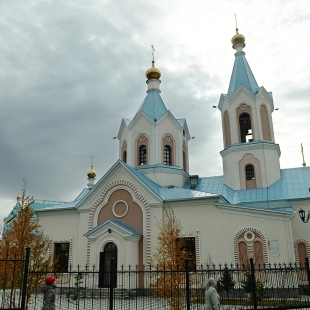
[[142, 152], [125, 157], [250, 175], [246, 134], [167, 155]]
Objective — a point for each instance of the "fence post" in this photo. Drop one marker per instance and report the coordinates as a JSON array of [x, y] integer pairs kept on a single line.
[[188, 306], [111, 282], [253, 283], [308, 270], [24, 290]]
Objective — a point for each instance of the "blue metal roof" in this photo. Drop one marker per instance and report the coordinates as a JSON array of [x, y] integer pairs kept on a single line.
[[175, 193], [49, 204], [153, 105], [126, 227], [242, 75], [293, 184], [121, 225], [149, 183], [181, 121]]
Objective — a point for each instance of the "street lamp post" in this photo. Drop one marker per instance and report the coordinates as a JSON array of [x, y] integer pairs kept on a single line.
[[302, 214]]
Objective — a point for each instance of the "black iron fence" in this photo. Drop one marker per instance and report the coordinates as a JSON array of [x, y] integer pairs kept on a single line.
[[283, 286]]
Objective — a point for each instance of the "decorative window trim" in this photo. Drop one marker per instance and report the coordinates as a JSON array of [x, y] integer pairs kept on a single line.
[[263, 239], [249, 159], [306, 243], [184, 156], [252, 236], [198, 260], [113, 208], [226, 124], [265, 122]]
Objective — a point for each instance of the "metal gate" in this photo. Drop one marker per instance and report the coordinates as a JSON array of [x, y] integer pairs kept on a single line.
[[13, 282]]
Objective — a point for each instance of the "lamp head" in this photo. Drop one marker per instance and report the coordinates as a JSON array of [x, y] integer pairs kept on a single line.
[[302, 214]]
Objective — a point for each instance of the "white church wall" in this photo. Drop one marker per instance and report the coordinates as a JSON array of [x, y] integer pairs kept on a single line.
[[269, 175], [156, 217], [62, 227], [216, 231], [81, 252]]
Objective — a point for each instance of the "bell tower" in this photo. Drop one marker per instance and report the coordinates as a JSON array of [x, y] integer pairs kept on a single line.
[[250, 155], [154, 142]]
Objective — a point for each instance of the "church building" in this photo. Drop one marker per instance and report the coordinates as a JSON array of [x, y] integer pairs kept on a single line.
[[251, 211]]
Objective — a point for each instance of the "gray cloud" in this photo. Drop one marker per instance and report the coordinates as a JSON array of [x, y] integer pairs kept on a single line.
[[71, 70]]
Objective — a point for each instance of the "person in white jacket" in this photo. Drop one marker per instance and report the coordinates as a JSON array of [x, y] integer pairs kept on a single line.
[[212, 299]]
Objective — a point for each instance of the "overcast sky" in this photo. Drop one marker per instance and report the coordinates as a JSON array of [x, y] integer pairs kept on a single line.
[[71, 70]]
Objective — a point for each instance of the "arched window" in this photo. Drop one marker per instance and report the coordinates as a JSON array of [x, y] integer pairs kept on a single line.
[[250, 243], [258, 254], [167, 155], [143, 157], [245, 128], [168, 150], [243, 254], [125, 157], [302, 253], [250, 176]]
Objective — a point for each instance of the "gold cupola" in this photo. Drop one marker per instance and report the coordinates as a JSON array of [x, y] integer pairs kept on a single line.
[[153, 73], [91, 174], [238, 38]]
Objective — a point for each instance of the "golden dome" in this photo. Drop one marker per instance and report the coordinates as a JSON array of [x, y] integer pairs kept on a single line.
[[238, 38], [91, 173], [18, 197], [153, 73]]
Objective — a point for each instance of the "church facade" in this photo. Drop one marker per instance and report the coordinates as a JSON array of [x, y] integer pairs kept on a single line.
[[251, 211]]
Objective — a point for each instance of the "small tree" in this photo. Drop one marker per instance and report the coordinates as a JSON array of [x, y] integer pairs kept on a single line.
[[169, 259], [226, 282], [248, 286], [24, 232]]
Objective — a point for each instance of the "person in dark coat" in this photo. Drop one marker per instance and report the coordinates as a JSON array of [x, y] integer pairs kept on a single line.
[[49, 293]]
